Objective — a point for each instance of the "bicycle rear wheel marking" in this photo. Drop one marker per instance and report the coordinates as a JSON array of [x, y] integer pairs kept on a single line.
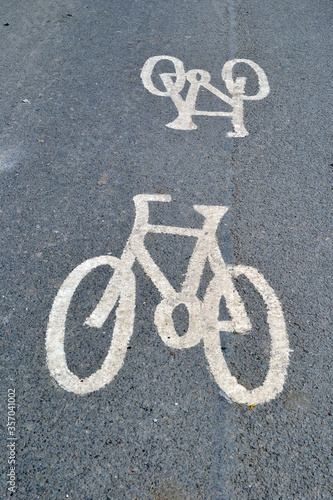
[[55, 336]]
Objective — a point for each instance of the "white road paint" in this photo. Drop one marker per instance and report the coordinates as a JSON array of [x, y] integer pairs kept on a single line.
[[9, 159], [203, 314], [56, 356], [175, 82]]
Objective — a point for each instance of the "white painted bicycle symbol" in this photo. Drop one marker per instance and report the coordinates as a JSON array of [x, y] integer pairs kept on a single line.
[[203, 314], [175, 82]]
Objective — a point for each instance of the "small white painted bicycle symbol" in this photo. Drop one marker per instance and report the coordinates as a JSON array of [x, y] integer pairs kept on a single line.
[[203, 314], [175, 82]]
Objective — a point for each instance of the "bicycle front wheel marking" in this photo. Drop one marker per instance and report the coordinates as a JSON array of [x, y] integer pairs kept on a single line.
[[55, 336], [279, 349]]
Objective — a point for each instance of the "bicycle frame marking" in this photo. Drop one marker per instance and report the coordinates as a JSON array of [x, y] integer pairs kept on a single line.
[[203, 314], [198, 78]]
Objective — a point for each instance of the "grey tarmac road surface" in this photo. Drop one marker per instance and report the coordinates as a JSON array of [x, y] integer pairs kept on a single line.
[[80, 137]]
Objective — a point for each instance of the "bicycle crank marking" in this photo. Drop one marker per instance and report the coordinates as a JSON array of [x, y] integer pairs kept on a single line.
[[203, 314], [197, 78]]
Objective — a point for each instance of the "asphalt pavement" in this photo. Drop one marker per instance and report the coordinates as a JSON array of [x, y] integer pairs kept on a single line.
[[82, 133]]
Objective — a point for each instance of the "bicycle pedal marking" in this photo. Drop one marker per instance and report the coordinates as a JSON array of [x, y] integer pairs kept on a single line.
[[175, 82], [203, 314]]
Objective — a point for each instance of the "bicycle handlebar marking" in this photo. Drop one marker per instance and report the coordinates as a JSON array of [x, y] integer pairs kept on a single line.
[[186, 107], [203, 314]]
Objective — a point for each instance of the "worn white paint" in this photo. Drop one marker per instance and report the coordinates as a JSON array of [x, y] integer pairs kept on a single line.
[[203, 314], [55, 337], [197, 78]]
